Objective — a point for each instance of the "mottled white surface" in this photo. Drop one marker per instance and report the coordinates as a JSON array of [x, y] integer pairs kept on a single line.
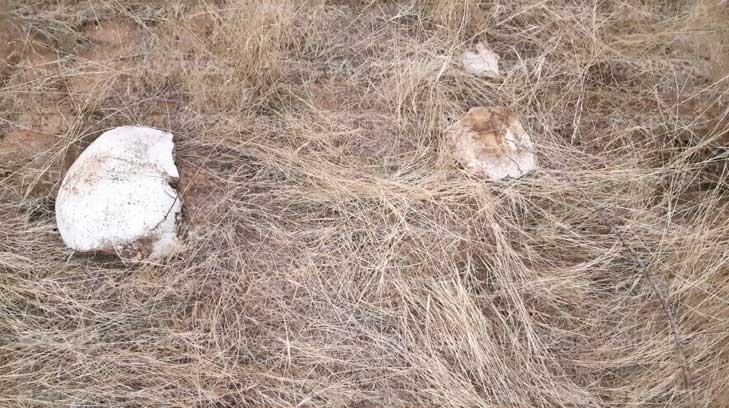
[[483, 62], [116, 196], [492, 143]]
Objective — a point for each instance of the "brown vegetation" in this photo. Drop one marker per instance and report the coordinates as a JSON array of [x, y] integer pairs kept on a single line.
[[329, 259]]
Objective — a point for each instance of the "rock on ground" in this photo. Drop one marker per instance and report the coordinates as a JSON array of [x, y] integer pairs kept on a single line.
[[491, 142], [484, 62], [116, 197]]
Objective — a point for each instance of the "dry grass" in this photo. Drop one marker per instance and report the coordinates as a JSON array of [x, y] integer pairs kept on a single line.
[[331, 259]]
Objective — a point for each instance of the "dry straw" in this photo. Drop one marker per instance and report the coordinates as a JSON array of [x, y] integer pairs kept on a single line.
[[332, 259]]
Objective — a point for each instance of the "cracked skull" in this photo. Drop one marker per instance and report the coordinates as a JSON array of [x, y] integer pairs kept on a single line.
[[117, 196]]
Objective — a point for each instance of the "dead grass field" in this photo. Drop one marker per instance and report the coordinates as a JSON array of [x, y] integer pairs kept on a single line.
[[331, 259]]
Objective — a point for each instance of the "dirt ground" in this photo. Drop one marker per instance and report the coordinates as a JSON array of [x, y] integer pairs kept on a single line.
[[331, 258]]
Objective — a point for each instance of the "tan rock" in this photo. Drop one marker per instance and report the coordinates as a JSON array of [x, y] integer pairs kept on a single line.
[[491, 142]]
